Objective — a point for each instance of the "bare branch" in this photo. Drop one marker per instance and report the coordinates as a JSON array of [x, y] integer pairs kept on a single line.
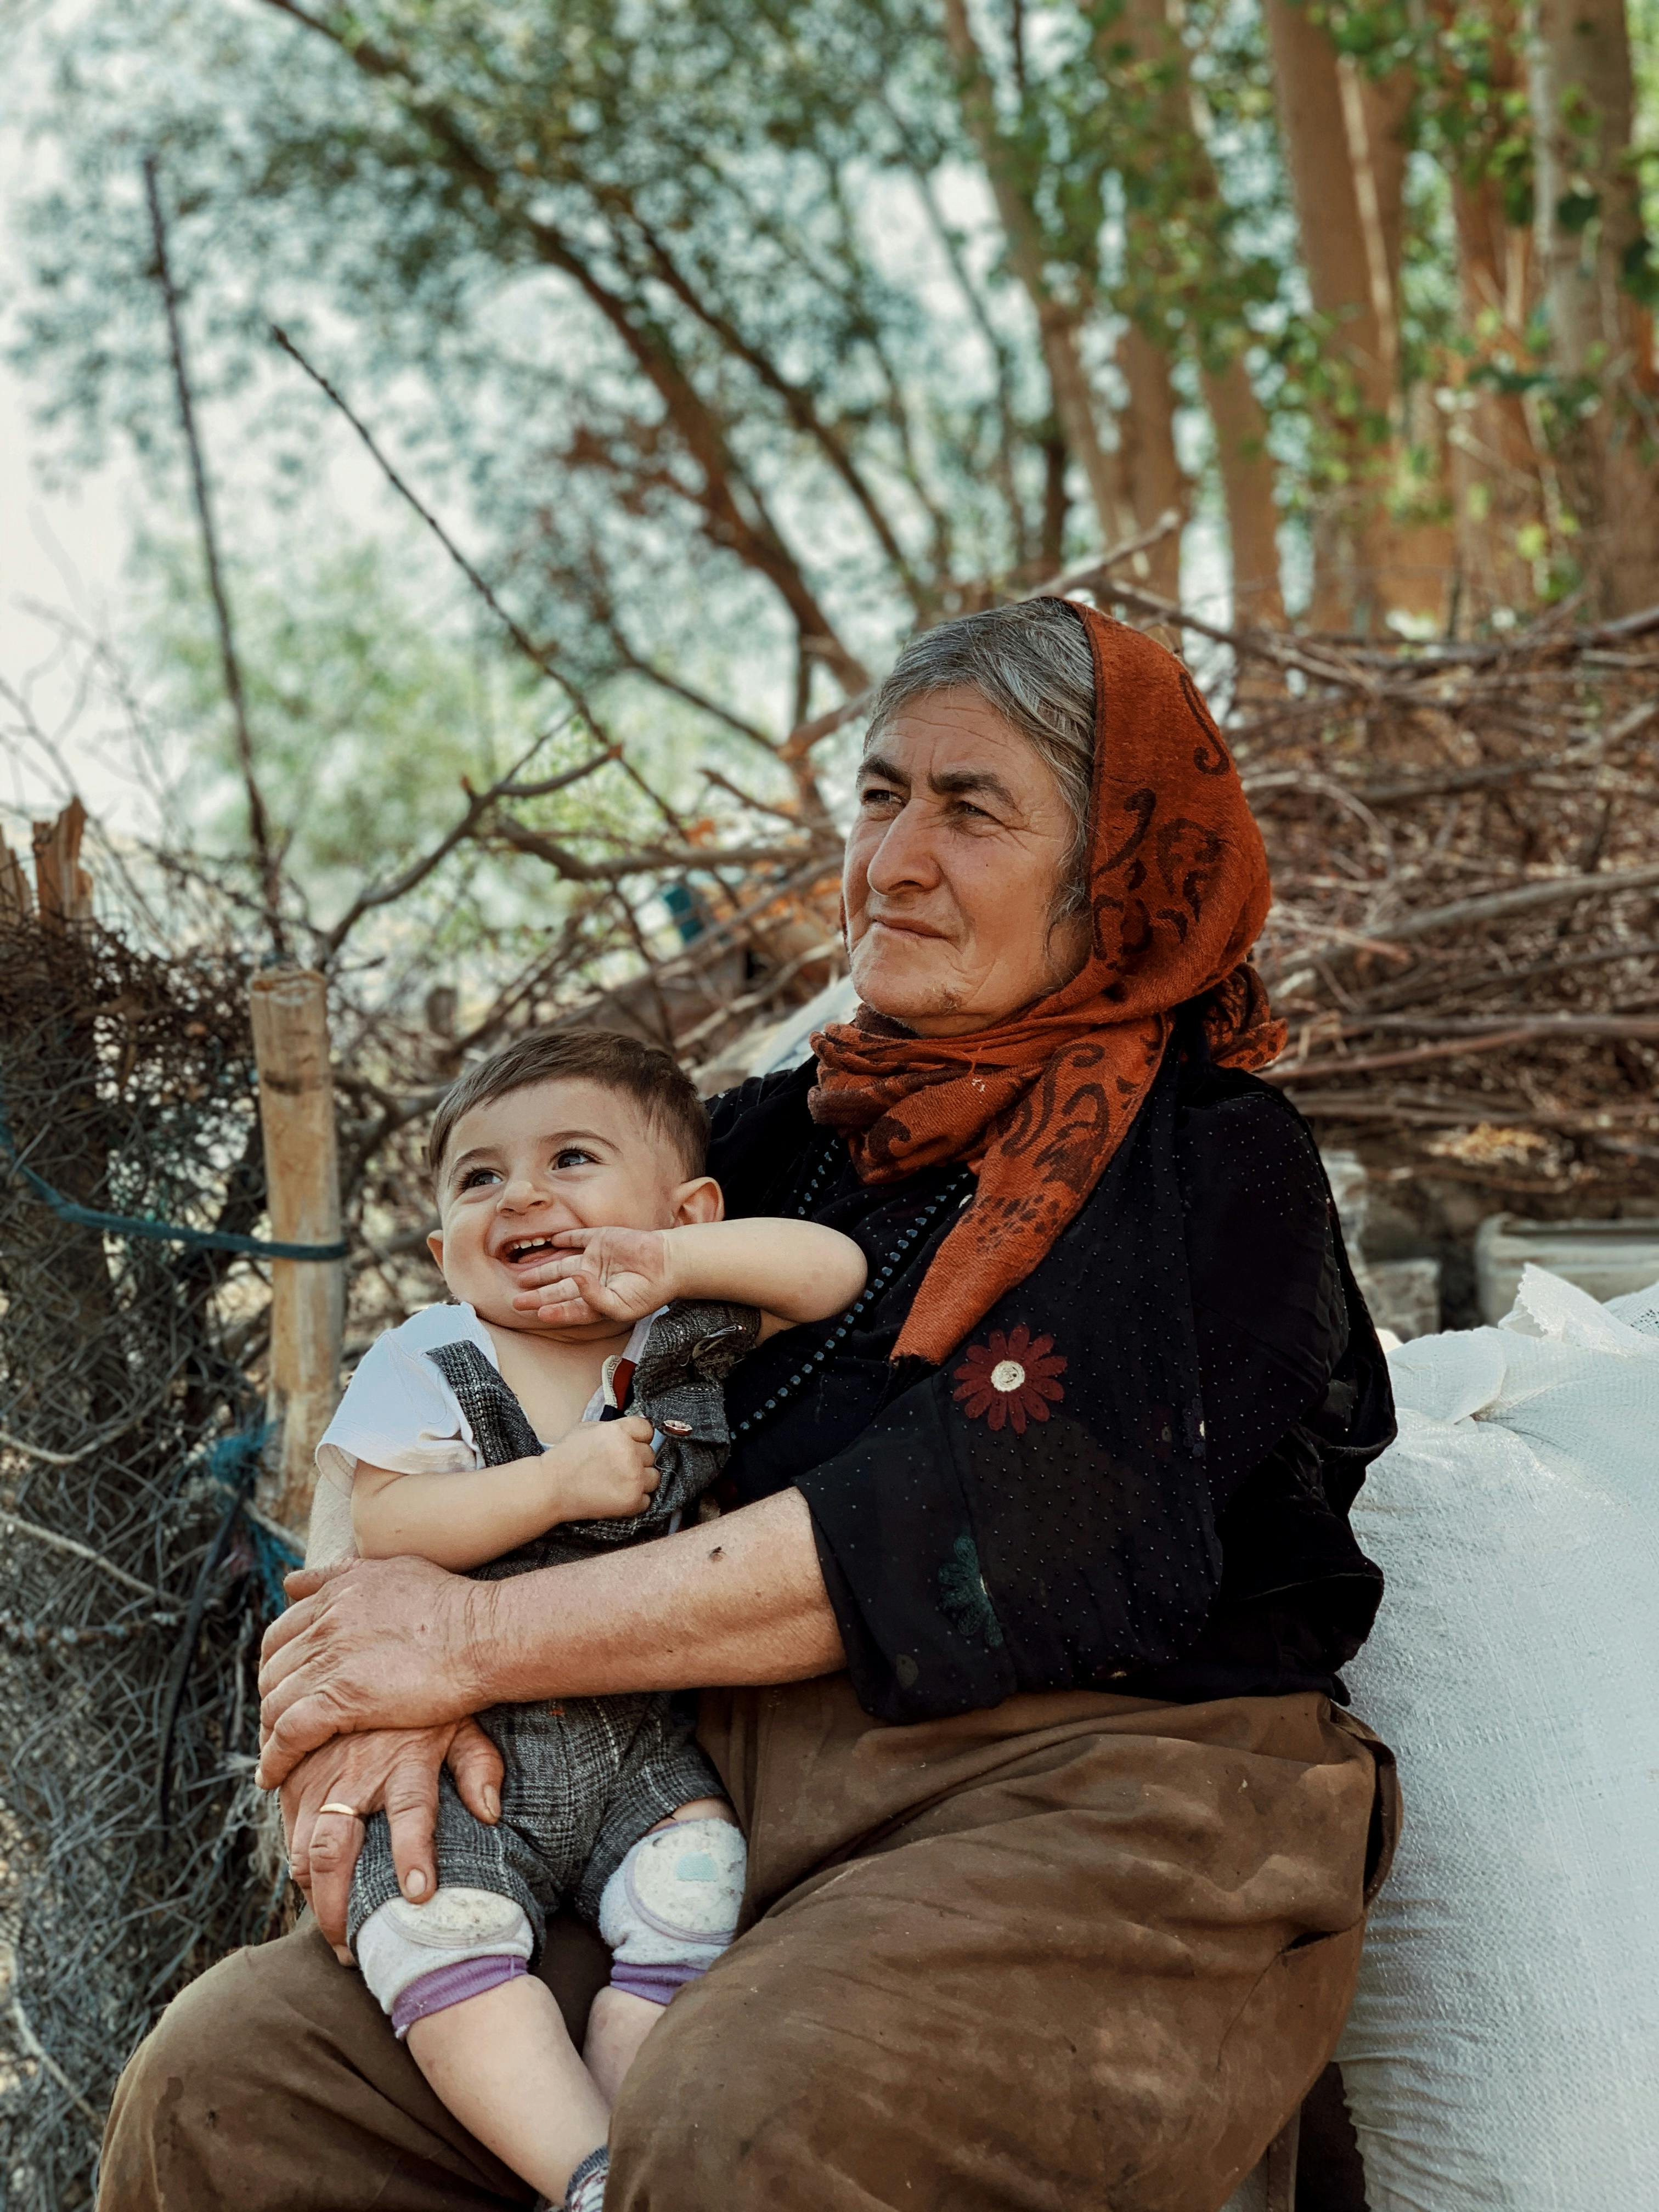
[[1324, 666], [679, 689], [646, 859], [57, 1543], [1098, 566], [1454, 1048], [797, 399], [1555, 891], [539, 656], [748, 799], [1095, 570], [34, 2049], [264, 853], [478, 805], [1008, 435]]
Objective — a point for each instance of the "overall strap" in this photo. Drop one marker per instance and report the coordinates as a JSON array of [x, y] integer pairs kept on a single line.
[[495, 1416]]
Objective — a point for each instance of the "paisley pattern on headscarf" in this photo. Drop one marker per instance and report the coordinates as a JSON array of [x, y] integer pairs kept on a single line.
[[1178, 891]]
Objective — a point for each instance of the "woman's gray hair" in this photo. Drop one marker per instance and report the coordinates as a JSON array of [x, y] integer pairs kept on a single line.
[[1031, 663]]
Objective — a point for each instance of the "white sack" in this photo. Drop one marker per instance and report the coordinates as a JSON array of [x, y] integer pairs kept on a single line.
[[1503, 2048]]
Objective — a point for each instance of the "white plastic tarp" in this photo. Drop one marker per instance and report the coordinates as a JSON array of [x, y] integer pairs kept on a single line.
[[1503, 2047]]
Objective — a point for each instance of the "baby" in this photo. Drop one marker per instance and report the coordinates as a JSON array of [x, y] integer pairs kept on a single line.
[[493, 1440]]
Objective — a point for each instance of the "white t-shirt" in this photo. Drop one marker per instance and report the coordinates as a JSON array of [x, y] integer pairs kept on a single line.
[[398, 1412]]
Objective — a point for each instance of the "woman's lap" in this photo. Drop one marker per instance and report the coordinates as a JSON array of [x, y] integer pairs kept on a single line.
[[276, 2081], [1102, 1968], [1088, 1976]]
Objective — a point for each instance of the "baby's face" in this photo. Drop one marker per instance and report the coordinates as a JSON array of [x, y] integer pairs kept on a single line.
[[566, 1154]]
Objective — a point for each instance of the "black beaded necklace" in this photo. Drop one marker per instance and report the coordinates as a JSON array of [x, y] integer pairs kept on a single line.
[[957, 1188]]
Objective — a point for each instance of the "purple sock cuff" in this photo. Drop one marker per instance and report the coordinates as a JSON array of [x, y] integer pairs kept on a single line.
[[452, 1985], [656, 1984]]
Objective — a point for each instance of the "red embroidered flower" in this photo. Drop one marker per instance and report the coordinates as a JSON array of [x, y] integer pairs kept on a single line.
[[1012, 1379]]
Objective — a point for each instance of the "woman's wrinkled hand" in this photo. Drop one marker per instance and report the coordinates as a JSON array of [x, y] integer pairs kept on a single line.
[[374, 1643], [390, 1770]]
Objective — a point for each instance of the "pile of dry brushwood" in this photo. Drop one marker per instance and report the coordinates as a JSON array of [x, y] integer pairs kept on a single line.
[[1466, 914]]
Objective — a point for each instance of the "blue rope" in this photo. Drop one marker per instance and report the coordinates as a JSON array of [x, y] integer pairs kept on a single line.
[[234, 1463], [160, 1232]]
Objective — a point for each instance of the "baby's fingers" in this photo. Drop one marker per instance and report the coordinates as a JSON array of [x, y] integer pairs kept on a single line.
[[564, 1300], [556, 1270], [565, 1286]]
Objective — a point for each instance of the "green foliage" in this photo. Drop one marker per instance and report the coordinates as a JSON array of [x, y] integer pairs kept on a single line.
[[366, 711], [659, 283], [695, 316]]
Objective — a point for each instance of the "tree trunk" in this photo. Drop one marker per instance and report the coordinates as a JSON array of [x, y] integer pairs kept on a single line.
[[1497, 486], [1148, 29], [1157, 482], [1344, 150], [1057, 320], [1589, 242], [1247, 474]]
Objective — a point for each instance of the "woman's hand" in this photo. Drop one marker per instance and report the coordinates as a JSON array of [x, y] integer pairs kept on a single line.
[[610, 1274], [375, 1644], [390, 1770]]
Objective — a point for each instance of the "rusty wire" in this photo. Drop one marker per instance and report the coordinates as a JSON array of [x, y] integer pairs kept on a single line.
[[127, 1083]]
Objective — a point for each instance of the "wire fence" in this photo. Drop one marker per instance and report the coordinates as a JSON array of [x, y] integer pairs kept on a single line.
[[135, 1574], [137, 1570]]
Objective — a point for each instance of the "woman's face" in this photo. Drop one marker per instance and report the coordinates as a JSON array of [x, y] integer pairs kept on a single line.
[[953, 868]]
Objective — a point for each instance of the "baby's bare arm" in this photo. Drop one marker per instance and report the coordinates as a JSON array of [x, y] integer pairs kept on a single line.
[[602, 1471], [794, 1271]]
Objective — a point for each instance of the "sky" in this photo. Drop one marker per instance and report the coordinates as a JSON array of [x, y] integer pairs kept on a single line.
[[63, 550]]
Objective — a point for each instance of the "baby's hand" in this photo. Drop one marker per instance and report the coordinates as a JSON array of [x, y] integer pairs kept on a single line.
[[613, 1275], [604, 1470]]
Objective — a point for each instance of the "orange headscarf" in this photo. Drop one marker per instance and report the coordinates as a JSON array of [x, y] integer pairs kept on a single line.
[[1177, 892]]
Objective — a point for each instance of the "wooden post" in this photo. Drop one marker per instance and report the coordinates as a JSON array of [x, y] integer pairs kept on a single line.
[[62, 885], [15, 903], [302, 1177]]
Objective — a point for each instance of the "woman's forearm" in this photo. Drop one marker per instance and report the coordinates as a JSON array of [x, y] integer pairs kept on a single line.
[[739, 1599], [399, 1643]]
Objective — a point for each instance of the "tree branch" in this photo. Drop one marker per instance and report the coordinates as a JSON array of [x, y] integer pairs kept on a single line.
[[265, 857], [1528, 1032], [1554, 891], [676, 688], [797, 401], [540, 657], [478, 805], [754, 538], [646, 859]]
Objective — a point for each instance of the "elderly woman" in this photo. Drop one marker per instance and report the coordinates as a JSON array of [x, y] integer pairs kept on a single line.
[[1032, 1587]]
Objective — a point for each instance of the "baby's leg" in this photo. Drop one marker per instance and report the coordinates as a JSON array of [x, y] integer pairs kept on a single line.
[[451, 1974], [487, 2037], [667, 1913], [504, 2065]]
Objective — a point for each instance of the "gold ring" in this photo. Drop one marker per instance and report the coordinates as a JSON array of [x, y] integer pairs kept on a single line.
[[332, 1806]]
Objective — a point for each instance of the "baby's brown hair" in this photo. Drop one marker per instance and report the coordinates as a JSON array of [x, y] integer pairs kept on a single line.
[[651, 1078]]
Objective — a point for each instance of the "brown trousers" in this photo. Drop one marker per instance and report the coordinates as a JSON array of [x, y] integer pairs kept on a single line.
[[1077, 1952]]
